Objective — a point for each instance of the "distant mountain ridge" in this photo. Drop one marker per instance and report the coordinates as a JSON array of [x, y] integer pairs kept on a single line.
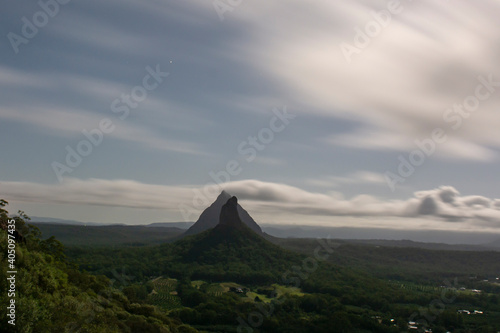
[[210, 217], [180, 225], [445, 237], [495, 244], [53, 220], [92, 235]]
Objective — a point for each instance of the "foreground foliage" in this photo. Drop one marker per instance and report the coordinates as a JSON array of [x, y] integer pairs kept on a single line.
[[54, 296]]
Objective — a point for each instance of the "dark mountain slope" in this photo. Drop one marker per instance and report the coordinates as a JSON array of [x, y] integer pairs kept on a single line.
[[210, 217], [231, 249]]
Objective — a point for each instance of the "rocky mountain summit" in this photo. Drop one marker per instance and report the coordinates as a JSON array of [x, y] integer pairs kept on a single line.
[[211, 216]]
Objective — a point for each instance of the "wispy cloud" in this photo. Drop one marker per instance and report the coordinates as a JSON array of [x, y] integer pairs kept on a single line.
[[70, 123], [400, 86], [443, 205], [11, 78], [60, 118], [99, 192], [359, 177]]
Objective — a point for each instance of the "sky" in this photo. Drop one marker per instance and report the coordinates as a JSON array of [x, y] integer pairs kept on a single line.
[[373, 114]]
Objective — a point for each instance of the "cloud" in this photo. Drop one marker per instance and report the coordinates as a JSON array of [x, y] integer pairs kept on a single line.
[[265, 199], [443, 204], [99, 192], [67, 120], [270, 161], [71, 122], [446, 203], [94, 29], [428, 206], [358, 177], [496, 204], [399, 87], [10, 78]]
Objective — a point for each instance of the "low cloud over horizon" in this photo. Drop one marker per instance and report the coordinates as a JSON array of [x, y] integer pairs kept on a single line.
[[440, 208]]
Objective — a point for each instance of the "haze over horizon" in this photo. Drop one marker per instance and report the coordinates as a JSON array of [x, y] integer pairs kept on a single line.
[[298, 109]]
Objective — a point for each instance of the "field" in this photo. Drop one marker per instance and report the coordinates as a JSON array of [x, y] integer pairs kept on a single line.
[[164, 294], [264, 294]]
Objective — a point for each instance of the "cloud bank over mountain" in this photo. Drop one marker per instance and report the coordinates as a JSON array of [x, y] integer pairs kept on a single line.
[[266, 200]]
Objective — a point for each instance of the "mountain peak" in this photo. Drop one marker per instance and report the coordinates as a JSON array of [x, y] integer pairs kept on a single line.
[[224, 194], [229, 213], [211, 216], [233, 201]]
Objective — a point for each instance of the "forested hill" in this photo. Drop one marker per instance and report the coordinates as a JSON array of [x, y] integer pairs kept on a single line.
[[54, 296], [231, 251]]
